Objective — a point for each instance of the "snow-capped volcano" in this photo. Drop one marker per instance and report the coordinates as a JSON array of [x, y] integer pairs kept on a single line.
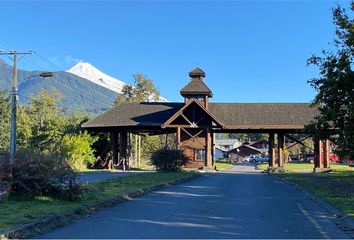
[[89, 72], [86, 70]]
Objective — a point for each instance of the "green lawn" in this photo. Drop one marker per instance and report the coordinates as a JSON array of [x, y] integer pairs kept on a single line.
[[223, 165], [336, 187], [305, 166], [19, 210]]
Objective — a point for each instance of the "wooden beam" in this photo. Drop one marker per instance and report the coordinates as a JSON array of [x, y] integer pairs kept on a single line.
[[185, 118], [297, 142]]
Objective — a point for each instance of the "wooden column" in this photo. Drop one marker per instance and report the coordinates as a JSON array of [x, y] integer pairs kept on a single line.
[[208, 151], [178, 138], [123, 146], [317, 154], [271, 152], [280, 150], [139, 150], [136, 151], [213, 148], [326, 154], [114, 146]]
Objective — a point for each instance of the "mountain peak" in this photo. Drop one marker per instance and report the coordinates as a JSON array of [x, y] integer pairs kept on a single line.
[[82, 66], [91, 73]]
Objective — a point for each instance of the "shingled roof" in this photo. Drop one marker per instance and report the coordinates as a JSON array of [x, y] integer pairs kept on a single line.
[[263, 115], [135, 114], [232, 115], [196, 86]]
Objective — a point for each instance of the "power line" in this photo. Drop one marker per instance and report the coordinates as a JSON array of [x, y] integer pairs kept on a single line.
[[14, 101]]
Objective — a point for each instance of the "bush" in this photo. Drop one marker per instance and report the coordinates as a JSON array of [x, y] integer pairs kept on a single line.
[[76, 150], [5, 178], [168, 160], [36, 174]]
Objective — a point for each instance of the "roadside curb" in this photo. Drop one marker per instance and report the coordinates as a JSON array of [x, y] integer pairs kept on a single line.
[[50, 223], [339, 218]]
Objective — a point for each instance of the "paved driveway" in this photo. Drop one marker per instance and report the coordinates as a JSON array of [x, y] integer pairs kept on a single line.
[[240, 203]]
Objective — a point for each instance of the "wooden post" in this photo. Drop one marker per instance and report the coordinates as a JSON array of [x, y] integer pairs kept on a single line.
[[129, 151], [317, 154], [123, 147], [208, 158], [213, 148], [178, 137], [114, 145], [326, 153], [271, 151], [280, 151], [139, 150], [136, 151]]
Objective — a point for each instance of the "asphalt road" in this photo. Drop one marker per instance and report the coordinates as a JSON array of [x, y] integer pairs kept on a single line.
[[240, 203]]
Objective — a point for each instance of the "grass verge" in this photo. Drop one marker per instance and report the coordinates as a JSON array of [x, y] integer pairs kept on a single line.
[[222, 165], [20, 210], [291, 167], [336, 187]]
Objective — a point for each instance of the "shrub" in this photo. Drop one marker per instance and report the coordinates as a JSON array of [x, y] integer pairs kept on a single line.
[[76, 150], [168, 159], [36, 174], [5, 178]]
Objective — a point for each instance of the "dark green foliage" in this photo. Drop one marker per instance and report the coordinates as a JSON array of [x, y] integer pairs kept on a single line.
[[4, 121], [5, 178], [335, 86], [143, 90], [168, 159], [76, 150], [38, 174]]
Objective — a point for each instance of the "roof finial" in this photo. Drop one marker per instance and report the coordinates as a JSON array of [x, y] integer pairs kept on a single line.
[[197, 73]]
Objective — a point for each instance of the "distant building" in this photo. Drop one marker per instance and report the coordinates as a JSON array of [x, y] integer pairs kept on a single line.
[[243, 151], [223, 146], [261, 145]]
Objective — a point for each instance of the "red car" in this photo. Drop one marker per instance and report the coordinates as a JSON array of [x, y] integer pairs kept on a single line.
[[334, 158]]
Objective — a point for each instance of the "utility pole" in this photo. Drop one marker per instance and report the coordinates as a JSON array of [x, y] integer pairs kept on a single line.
[[13, 101]]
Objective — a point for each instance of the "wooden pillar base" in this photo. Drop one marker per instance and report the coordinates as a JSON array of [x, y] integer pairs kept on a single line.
[[209, 169], [322, 170], [275, 169]]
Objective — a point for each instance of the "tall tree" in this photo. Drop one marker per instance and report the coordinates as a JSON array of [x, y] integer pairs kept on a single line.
[[48, 124], [4, 121], [335, 85], [143, 90]]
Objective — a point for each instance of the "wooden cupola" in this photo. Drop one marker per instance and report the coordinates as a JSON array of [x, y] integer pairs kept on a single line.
[[196, 89]]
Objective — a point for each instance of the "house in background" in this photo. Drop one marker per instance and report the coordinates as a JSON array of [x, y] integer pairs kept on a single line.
[[223, 146], [261, 145], [239, 153]]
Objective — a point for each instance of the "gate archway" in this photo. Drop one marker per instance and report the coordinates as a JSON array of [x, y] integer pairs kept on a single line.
[[196, 120]]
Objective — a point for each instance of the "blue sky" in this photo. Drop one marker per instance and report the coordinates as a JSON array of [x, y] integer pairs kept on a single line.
[[251, 51]]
